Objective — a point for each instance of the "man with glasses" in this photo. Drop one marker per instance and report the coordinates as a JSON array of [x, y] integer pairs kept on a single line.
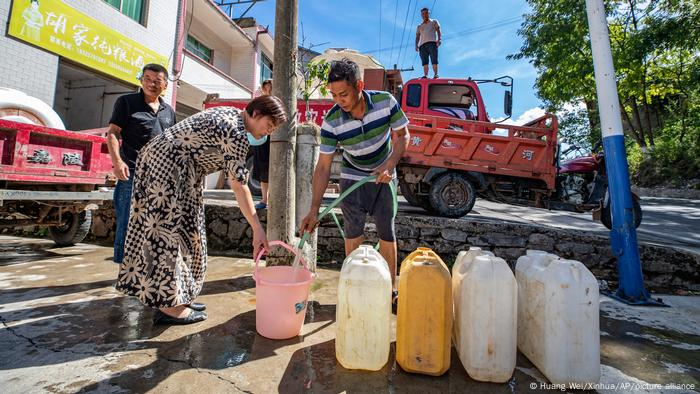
[[136, 119]]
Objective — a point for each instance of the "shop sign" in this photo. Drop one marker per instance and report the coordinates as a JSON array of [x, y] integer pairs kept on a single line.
[[58, 28]]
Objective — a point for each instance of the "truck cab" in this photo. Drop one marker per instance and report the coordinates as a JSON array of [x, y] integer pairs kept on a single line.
[[458, 98]]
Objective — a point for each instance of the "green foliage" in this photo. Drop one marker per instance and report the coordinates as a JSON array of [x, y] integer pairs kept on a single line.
[[656, 51], [316, 78]]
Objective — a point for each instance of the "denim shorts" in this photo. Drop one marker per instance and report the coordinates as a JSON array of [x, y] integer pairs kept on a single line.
[[428, 49], [369, 199]]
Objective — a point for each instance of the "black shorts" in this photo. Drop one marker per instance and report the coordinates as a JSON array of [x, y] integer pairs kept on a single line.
[[428, 49], [261, 161], [370, 198]]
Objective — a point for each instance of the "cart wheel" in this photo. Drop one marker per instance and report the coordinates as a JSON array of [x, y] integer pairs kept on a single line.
[[452, 195], [606, 213], [253, 184], [407, 190], [75, 230]]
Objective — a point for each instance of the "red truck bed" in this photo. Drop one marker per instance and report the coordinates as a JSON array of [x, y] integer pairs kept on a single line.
[[527, 151], [37, 154]]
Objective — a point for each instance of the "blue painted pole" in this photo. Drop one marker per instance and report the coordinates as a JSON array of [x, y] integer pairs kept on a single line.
[[623, 236]]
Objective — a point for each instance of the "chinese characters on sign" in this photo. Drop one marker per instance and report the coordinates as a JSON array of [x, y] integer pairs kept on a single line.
[[67, 32]]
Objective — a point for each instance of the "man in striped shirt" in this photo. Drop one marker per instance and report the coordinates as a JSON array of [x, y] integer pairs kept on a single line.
[[362, 123]]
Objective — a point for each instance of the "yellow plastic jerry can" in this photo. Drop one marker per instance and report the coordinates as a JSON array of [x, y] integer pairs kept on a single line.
[[424, 316]]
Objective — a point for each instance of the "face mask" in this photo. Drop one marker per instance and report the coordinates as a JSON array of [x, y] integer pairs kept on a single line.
[[255, 142]]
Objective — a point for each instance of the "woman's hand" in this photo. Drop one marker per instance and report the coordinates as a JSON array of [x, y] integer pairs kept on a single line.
[[259, 240]]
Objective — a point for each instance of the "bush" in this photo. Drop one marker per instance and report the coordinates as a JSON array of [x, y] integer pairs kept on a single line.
[[674, 161]]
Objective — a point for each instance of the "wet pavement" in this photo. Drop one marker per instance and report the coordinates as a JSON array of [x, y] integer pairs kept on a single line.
[[65, 329]]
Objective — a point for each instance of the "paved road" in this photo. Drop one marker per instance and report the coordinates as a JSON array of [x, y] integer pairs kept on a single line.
[[667, 221], [64, 328]]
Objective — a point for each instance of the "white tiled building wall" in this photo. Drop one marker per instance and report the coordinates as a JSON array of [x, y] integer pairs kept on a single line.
[[34, 71], [23, 67], [243, 67]]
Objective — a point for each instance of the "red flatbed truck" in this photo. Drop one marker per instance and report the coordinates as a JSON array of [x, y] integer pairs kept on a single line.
[[51, 178]]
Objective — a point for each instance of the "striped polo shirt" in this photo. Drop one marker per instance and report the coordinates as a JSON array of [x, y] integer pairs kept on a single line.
[[366, 143]]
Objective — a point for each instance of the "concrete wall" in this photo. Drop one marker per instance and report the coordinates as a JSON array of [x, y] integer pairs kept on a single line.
[[666, 269], [24, 67], [243, 66], [87, 104], [207, 80]]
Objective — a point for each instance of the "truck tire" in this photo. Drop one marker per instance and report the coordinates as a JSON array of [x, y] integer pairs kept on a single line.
[[75, 230], [408, 192], [606, 213], [452, 195], [253, 184]]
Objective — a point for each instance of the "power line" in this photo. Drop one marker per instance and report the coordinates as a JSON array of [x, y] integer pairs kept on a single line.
[[380, 24], [405, 20], [396, 11], [408, 36], [477, 29]]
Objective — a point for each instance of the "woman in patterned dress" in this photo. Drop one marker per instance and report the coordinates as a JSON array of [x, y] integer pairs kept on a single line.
[[165, 255]]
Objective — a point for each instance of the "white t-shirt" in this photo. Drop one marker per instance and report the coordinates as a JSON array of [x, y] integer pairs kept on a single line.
[[428, 31]]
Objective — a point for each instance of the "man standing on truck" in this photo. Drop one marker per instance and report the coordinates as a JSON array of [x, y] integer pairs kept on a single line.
[[362, 122], [428, 39], [136, 119]]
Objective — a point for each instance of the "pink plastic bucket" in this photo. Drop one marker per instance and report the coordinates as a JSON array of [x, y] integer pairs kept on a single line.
[[281, 295]]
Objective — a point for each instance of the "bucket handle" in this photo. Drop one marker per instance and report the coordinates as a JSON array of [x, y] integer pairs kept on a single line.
[[282, 244]]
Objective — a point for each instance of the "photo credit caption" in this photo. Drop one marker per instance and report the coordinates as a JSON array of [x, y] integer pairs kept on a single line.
[[623, 386]]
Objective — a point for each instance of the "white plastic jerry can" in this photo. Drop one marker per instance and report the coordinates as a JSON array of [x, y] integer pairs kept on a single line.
[[525, 263], [486, 314], [560, 321], [363, 311], [464, 257]]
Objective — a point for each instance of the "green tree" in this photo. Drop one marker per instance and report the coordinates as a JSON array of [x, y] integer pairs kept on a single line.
[[656, 51]]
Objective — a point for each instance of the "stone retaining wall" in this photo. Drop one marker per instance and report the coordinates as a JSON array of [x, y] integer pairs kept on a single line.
[[692, 194], [666, 269]]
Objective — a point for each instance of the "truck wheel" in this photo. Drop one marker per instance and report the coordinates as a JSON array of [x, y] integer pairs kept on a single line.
[[75, 230], [452, 195], [253, 184], [407, 190], [606, 213]]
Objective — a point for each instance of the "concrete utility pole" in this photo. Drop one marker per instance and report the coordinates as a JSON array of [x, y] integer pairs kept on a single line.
[[308, 146], [280, 213], [623, 235]]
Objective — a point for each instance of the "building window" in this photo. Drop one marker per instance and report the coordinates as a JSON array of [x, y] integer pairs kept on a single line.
[[131, 8], [196, 47], [265, 68]]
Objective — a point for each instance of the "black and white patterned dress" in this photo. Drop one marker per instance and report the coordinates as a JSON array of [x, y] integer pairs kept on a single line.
[[165, 255]]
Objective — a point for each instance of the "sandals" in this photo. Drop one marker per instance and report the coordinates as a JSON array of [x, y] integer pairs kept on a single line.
[[194, 317]]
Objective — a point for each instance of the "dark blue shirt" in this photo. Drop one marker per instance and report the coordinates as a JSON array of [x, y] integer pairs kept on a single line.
[[139, 123]]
